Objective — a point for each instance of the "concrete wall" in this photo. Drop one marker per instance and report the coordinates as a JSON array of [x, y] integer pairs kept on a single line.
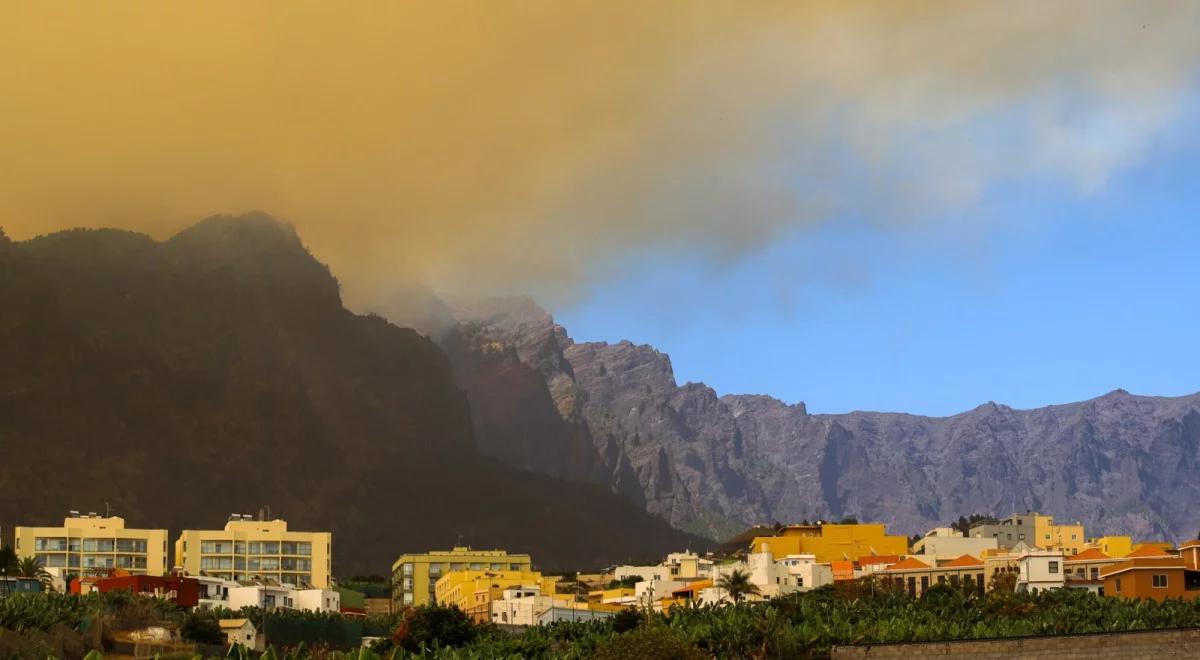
[[1134, 645]]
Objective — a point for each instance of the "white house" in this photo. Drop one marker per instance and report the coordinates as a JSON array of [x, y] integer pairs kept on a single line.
[[1038, 570]]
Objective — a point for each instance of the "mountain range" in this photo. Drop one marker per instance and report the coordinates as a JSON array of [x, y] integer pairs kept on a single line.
[[218, 372], [713, 465]]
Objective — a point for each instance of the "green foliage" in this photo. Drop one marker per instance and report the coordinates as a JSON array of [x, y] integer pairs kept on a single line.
[[626, 620], [202, 626], [8, 561], [624, 583], [433, 626], [31, 567]]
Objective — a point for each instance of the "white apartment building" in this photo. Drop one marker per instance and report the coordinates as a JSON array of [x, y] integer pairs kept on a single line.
[[945, 543]]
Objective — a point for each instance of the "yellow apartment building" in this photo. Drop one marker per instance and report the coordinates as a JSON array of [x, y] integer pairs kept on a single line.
[[473, 591], [93, 544], [832, 542], [248, 548], [414, 576]]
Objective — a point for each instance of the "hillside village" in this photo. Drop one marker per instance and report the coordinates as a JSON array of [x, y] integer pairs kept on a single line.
[[263, 565]]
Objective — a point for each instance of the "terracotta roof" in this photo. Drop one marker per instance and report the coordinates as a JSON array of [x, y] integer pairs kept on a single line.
[[1089, 554], [695, 586], [963, 561], [1150, 550], [907, 564]]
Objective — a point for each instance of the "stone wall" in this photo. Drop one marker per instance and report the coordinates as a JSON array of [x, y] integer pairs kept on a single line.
[[1134, 645]]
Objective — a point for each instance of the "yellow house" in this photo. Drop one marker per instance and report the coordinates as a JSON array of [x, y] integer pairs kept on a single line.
[[832, 542], [248, 548], [1113, 546], [1069, 538], [94, 544], [414, 575], [473, 591]]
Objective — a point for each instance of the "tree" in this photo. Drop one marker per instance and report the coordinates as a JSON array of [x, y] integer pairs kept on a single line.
[[31, 567], [431, 626], [202, 627], [738, 585], [8, 561]]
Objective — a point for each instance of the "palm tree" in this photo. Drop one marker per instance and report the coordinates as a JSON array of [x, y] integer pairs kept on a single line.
[[738, 585], [31, 567]]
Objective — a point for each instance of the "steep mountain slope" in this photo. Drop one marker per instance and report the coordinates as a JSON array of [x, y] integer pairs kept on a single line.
[[711, 465], [218, 372]]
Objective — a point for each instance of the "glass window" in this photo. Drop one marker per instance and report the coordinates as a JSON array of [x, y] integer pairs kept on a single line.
[[270, 547], [239, 547], [407, 569], [1160, 581], [1095, 573], [476, 566], [500, 567], [287, 548], [53, 561], [131, 545], [1054, 568], [50, 544], [216, 547], [73, 561], [239, 563], [304, 549], [255, 548], [73, 545]]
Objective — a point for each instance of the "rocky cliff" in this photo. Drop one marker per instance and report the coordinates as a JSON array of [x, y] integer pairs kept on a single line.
[[714, 464]]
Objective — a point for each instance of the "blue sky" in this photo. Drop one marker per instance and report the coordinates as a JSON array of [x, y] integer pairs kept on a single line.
[[1036, 293]]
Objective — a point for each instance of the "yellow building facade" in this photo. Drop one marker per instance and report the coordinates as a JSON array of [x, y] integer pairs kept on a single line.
[[832, 542], [1068, 538], [473, 591], [248, 548], [415, 575], [1113, 546], [93, 544]]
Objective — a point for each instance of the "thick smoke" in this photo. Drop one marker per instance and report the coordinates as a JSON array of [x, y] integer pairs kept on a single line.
[[520, 146]]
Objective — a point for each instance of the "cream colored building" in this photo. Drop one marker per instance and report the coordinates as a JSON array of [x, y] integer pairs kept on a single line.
[[249, 548], [93, 544]]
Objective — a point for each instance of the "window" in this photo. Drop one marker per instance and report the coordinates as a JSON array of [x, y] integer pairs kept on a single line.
[[1020, 537], [216, 547], [50, 544], [924, 583], [131, 545], [941, 579], [1095, 573], [407, 569], [1053, 567], [1118, 584], [1009, 535], [1073, 537], [1160, 581]]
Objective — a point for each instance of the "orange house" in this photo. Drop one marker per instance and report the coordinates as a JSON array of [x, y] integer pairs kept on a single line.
[[1152, 578]]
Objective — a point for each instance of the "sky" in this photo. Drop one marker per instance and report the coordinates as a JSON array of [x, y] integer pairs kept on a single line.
[[1068, 296], [893, 205]]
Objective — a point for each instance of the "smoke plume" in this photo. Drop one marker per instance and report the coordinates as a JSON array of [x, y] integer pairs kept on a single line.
[[521, 146]]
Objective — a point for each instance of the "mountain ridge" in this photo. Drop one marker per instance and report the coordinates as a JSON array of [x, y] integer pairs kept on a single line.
[[713, 464], [217, 371]]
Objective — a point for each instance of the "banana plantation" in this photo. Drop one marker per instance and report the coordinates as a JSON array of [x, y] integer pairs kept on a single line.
[[795, 626]]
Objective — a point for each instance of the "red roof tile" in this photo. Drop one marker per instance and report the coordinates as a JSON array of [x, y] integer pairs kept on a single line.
[[963, 561], [907, 563], [1091, 553]]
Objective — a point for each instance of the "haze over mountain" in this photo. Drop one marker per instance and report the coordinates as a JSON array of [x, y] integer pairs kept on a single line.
[[218, 372], [714, 464]]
